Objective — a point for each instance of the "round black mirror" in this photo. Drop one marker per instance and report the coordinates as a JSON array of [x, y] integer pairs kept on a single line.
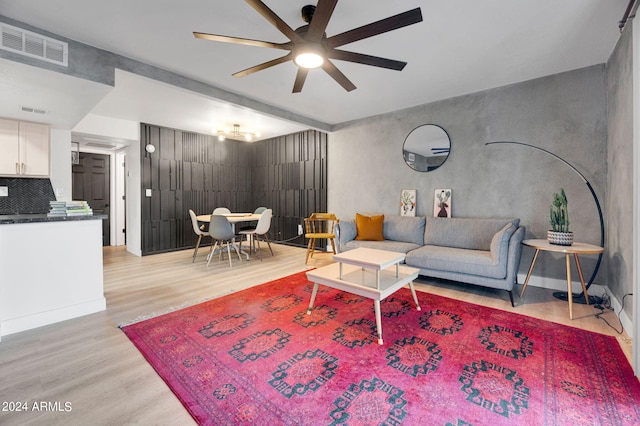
[[426, 147]]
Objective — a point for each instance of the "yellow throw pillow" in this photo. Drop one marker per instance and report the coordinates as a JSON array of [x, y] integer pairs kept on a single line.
[[369, 227]]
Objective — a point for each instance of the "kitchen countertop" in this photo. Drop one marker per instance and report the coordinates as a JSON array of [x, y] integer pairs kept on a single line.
[[34, 218]]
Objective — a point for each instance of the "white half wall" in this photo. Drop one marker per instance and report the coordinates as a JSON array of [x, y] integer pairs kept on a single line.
[[63, 280]]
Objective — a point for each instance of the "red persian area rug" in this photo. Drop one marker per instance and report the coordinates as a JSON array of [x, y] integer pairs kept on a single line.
[[257, 358]]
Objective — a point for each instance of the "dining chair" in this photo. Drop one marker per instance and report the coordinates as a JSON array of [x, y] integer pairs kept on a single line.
[[261, 230], [320, 226], [221, 210], [252, 225], [221, 231], [199, 232]]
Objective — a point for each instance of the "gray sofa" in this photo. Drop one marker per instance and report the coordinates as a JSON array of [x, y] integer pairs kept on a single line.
[[477, 251]]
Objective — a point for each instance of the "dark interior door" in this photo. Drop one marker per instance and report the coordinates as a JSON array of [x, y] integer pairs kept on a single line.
[[91, 183]]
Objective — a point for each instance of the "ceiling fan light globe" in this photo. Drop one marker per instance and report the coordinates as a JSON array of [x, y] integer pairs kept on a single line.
[[309, 60]]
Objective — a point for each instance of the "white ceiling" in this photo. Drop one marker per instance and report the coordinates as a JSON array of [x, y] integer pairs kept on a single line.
[[462, 46], [65, 99], [145, 100]]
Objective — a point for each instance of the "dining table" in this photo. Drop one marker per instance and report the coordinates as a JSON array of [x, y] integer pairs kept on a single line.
[[233, 219]]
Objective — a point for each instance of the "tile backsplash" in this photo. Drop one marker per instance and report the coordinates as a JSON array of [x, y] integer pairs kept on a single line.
[[26, 196]]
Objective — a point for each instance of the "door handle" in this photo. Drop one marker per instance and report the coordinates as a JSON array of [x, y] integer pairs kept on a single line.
[[17, 168], [23, 167]]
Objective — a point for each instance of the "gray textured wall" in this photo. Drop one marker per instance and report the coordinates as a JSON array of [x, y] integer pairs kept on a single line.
[[564, 113], [620, 160]]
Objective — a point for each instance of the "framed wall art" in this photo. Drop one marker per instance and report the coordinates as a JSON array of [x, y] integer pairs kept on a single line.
[[442, 203], [408, 202]]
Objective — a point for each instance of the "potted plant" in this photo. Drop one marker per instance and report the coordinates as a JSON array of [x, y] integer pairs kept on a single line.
[[559, 233]]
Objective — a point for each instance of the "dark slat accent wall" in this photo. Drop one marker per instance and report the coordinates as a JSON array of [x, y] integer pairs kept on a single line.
[[290, 176], [198, 172]]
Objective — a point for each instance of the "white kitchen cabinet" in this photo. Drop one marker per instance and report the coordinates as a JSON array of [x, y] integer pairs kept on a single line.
[[9, 146], [24, 149]]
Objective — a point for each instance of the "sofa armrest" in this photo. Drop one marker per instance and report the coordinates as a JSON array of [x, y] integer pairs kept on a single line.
[[500, 243], [515, 252], [345, 231]]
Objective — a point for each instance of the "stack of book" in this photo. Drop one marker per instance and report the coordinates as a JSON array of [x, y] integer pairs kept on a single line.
[[69, 208]]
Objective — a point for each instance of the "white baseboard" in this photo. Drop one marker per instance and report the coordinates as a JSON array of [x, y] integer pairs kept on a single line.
[[624, 318], [559, 284], [595, 290], [16, 325], [134, 252]]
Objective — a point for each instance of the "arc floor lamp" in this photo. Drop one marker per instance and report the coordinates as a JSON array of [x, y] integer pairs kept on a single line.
[[577, 298]]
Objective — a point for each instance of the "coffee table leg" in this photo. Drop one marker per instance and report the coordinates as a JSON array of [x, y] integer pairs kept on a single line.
[[313, 297], [415, 298], [376, 304]]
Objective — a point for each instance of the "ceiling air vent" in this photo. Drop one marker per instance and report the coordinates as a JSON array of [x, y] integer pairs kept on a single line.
[[33, 110], [34, 45]]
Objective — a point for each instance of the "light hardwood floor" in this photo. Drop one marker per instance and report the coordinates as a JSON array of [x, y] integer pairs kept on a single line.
[[89, 363]]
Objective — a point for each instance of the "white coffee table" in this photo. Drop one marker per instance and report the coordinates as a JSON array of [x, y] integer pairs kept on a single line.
[[368, 273]]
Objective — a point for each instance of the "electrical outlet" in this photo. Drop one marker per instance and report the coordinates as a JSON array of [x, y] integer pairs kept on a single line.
[[300, 231], [4, 191]]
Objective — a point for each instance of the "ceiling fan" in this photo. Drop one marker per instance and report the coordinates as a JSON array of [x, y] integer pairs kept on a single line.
[[309, 47]]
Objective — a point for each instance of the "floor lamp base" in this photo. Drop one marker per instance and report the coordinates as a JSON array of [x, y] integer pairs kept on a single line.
[[578, 298]]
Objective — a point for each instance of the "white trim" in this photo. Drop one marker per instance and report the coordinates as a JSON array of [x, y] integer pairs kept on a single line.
[[557, 284], [635, 333], [119, 203], [39, 319]]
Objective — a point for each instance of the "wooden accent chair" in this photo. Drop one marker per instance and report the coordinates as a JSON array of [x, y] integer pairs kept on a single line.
[[320, 226]]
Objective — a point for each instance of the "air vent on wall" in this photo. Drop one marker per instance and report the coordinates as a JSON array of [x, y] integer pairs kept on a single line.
[[34, 45]]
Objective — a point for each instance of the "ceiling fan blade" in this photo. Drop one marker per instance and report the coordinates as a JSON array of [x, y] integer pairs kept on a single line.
[[360, 58], [388, 24], [300, 78], [338, 76], [320, 19], [275, 20], [245, 41], [263, 66]]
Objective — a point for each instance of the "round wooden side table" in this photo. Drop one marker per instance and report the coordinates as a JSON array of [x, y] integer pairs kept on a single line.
[[575, 249]]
